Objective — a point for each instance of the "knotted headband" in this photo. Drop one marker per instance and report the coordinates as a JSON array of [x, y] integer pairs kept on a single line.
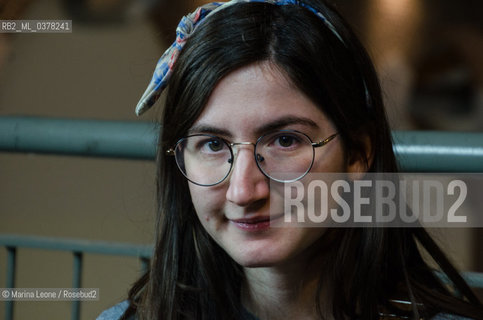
[[186, 27]]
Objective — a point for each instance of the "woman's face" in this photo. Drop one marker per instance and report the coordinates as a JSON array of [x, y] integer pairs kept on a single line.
[[243, 106]]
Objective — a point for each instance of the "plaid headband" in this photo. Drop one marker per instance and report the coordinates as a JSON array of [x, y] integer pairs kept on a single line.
[[186, 27]]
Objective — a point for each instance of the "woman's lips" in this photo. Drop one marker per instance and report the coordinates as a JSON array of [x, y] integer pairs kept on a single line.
[[254, 224]]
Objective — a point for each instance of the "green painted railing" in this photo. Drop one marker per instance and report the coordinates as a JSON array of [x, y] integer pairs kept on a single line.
[[422, 151], [91, 138], [78, 248], [439, 151], [415, 150]]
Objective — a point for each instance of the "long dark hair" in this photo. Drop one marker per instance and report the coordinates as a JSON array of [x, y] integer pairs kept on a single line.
[[191, 277]]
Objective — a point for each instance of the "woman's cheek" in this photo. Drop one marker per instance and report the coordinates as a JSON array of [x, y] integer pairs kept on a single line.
[[207, 203]]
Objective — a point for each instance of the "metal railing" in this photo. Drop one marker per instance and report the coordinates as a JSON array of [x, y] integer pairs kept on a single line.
[[78, 248], [415, 151]]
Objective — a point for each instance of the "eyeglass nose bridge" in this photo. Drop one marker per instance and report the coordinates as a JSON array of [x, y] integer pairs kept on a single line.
[[244, 143], [258, 157], [232, 144]]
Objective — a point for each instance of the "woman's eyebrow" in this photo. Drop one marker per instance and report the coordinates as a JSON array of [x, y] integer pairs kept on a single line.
[[274, 125], [209, 130], [284, 122]]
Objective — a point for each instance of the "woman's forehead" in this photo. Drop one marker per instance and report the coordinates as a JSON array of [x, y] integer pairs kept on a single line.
[[257, 96], [260, 78]]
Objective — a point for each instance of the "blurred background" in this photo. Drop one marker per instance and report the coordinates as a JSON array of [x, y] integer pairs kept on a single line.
[[429, 55]]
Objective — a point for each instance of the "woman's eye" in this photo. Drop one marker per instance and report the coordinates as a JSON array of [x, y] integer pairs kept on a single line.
[[286, 141], [210, 145], [215, 145]]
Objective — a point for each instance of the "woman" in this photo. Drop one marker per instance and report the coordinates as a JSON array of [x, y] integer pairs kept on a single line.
[[279, 76]]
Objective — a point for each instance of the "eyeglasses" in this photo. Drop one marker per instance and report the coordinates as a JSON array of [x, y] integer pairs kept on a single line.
[[283, 156]]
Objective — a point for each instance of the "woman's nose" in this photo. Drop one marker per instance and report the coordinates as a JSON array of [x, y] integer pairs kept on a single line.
[[247, 184]]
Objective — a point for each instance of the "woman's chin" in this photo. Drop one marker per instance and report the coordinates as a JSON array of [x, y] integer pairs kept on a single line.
[[257, 263], [258, 259]]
